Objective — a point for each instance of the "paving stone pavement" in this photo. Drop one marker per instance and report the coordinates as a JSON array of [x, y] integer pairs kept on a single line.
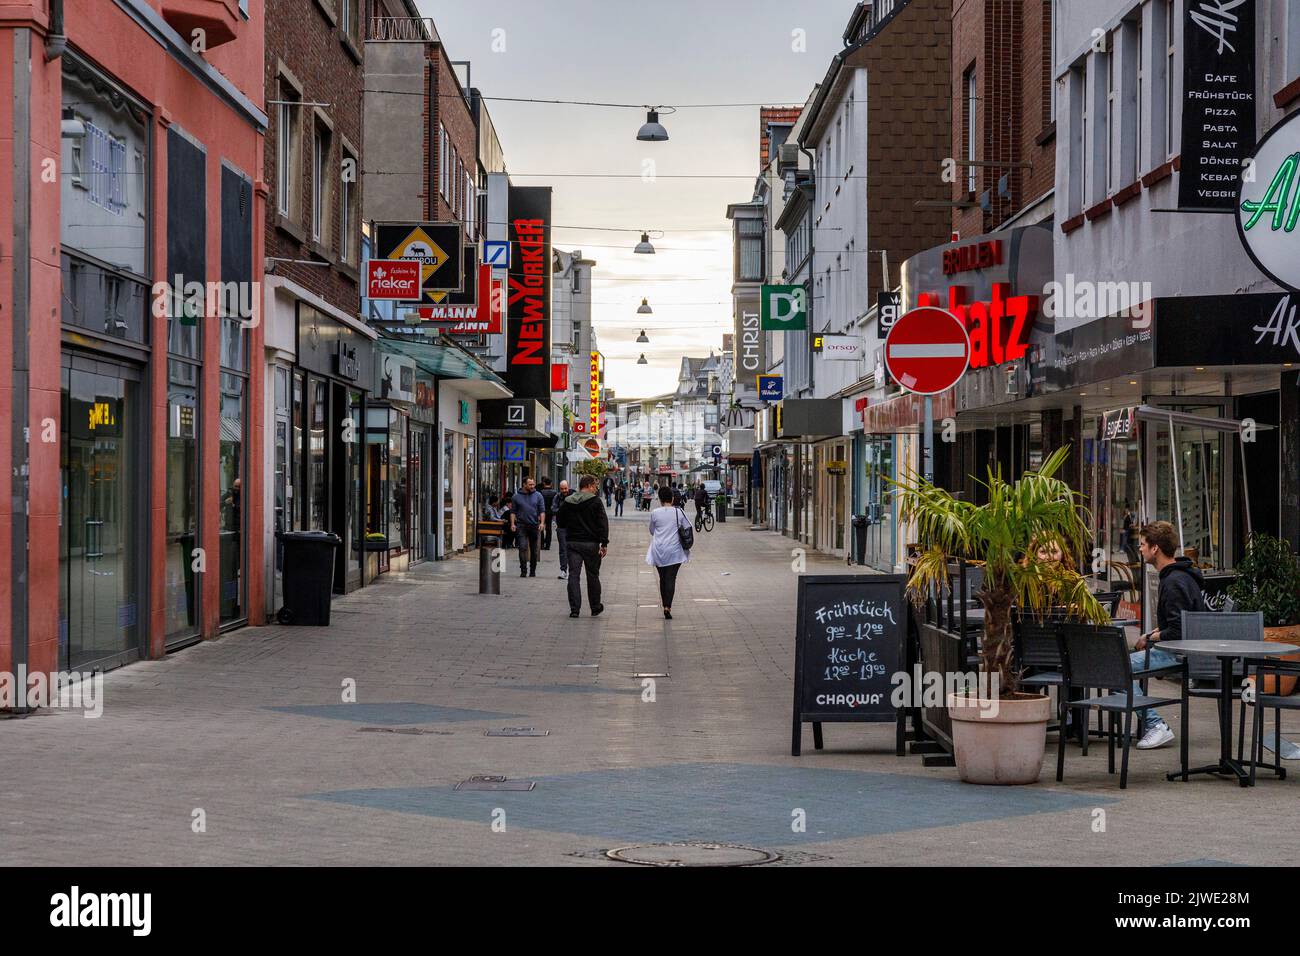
[[253, 731]]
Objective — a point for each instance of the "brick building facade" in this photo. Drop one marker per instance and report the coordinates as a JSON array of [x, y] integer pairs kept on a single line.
[[1002, 94], [314, 78]]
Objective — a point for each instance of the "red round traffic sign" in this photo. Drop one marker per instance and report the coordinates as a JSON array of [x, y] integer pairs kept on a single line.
[[927, 351]]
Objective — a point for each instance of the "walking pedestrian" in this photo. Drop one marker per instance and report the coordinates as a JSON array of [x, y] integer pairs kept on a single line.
[[527, 519], [620, 495], [646, 495], [560, 533], [586, 525], [609, 490], [548, 495], [666, 553]]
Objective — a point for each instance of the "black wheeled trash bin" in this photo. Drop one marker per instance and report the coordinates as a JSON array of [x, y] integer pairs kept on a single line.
[[308, 576], [860, 539]]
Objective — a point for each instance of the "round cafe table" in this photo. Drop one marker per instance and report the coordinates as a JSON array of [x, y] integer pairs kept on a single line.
[[1226, 652]]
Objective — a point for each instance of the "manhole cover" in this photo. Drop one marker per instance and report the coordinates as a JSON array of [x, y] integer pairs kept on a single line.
[[692, 854], [413, 731], [494, 782]]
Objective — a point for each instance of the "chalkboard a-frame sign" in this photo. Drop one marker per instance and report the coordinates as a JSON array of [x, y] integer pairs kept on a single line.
[[850, 636]]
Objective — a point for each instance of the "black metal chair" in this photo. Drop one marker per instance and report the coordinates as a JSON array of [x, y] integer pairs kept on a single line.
[[1265, 669], [1099, 657], [1110, 600], [1220, 626], [1038, 659]]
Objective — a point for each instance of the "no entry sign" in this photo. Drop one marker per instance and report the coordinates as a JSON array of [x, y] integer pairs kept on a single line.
[[927, 351]]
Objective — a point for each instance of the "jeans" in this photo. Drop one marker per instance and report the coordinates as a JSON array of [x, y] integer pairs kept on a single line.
[[584, 554], [1159, 658], [529, 541], [618, 507], [546, 535], [667, 583], [563, 535]]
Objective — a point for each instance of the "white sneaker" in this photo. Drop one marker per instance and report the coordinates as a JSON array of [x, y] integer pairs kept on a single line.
[[1156, 736], [564, 575]]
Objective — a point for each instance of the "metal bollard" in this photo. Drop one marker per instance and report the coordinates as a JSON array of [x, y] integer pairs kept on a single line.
[[489, 576]]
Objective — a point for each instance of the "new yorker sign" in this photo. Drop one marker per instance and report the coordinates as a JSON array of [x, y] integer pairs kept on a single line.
[[1218, 100], [1268, 206]]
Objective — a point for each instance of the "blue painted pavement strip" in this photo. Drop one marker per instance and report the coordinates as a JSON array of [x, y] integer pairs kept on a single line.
[[389, 714], [571, 688], [734, 803]]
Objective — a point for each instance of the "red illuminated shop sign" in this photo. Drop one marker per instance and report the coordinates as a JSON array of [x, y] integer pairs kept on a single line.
[[998, 330], [979, 255]]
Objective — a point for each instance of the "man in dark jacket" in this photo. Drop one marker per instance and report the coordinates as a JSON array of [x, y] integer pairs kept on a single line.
[[548, 493], [528, 520], [586, 526], [1180, 590]]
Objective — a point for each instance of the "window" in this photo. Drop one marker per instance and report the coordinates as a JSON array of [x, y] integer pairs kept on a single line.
[[1084, 138], [1171, 31], [321, 180], [349, 19], [969, 132], [347, 208], [749, 250], [1111, 65], [1139, 90], [103, 172], [288, 145], [1049, 62], [443, 160]]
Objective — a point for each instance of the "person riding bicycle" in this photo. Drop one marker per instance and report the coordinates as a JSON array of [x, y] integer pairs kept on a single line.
[[702, 500]]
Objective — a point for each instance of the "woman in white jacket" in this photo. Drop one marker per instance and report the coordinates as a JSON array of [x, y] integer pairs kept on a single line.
[[666, 552]]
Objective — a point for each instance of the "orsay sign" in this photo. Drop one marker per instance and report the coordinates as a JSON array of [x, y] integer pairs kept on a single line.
[[1268, 205]]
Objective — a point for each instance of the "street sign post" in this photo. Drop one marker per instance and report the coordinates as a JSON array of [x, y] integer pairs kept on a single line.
[[927, 352]]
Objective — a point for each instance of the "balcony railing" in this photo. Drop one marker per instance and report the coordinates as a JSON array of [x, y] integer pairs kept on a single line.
[[401, 28]]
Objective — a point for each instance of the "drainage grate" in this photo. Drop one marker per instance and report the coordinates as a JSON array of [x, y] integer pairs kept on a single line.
[[652, 674], [402, 730], [491, 782], [692, 854], [517, 732]]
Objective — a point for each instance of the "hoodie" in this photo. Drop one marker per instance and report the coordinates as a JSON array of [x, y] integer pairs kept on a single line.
[[1180, 590], [582, 516]]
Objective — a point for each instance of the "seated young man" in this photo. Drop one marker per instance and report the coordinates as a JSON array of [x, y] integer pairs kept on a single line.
[[1180, 590]]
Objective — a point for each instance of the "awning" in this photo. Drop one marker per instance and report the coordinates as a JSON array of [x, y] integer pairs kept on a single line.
[[473, 377]]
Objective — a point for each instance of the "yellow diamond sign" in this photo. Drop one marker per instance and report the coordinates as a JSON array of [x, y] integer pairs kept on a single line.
[[420, 247]]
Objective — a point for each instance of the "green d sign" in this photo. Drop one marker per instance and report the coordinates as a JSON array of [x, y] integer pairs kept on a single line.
[[783, 308]]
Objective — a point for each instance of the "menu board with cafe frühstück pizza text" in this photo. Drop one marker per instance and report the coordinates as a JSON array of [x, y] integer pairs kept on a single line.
[[850, 635]]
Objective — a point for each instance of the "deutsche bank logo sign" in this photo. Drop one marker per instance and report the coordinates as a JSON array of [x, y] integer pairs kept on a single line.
[[496, 252], [517, 414]]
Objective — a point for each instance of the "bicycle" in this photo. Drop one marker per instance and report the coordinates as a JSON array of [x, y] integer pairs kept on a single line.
[[703, 520]]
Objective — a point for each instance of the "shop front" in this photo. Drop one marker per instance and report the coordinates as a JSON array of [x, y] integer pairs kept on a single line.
[[320, 368], [153, 386], [995, 284], [514, 444]]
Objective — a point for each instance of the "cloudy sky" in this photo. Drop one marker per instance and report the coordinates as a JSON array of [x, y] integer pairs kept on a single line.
[[671, 52]]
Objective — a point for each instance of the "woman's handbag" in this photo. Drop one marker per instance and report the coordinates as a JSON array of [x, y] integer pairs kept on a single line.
[[684, 531]]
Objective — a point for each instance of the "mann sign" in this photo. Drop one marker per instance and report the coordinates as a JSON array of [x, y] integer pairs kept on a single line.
[[751, 356]]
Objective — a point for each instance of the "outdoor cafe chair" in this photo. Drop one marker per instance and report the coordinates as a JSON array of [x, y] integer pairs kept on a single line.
[[1275, 669], [1095, 656], [1220, 626]]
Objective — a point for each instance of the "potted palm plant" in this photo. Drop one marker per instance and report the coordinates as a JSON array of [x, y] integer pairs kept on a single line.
[[1268, 580], [1027, 536]]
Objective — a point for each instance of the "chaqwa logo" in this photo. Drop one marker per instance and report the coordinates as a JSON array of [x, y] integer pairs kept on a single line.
[[75, 909]]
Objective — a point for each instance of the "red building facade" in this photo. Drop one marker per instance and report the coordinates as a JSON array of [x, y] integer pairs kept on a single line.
[[130, 270]]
